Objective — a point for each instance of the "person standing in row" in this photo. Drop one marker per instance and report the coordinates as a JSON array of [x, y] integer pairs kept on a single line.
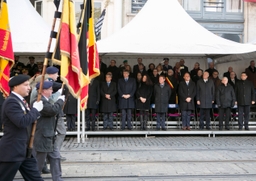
[[205, 98], [187, 92], [143, 95], [225, 99], [162, 93], [92, 104], [17, 121], [108, 101], [126, 90], [245, 98]]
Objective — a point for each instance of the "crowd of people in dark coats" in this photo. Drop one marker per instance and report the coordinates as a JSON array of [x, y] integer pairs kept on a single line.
[[137, 91]]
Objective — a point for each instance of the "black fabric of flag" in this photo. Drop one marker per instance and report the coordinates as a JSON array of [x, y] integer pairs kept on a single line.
[[99, 23]]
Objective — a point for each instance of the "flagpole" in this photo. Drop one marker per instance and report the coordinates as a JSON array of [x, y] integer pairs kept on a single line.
[[83, 125], [78, 119], [32, 136]]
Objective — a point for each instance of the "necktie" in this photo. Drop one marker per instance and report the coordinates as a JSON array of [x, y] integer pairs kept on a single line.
[[161, 85], [26, 104], [126, 79], [108, 84]]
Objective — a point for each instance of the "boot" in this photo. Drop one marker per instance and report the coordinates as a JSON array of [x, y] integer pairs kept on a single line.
[[141, 122]]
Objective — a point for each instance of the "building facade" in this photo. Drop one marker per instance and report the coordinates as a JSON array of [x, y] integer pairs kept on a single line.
[[230, 19]]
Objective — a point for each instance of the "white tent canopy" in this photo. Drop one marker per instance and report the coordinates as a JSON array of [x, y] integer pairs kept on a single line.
[[163, 27], [30, 33]]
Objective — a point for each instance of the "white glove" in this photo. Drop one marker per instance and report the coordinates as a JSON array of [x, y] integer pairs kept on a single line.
[[62, 97], [38, 105], [60, 91]]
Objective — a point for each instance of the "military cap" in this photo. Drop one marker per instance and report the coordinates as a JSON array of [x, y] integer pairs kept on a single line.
[[46, 85], [17, 80], [166, 59], [51, 70], [125, 61], [31, 57]]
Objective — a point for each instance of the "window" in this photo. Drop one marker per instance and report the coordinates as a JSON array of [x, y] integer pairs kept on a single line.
[[214, 5], [38, 4], [192, 5], [234, 6], [137, 5]]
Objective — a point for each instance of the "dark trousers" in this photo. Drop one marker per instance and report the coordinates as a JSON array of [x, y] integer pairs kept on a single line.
[[108, 120], [90, 117], [28, 169], [243, 116], [160, 120], [71, 121], [143, 119], [204, 116], [222, 112], [185, 116], [126, 116]]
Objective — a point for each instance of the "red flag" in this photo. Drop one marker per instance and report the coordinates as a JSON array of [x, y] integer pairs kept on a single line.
[[6, 51], [67, 46], [253, 1]]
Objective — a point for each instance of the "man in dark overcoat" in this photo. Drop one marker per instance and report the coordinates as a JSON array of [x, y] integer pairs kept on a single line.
[[187, 92], [45, 132], [245, 96], [205, 98], [108, 101], [126, 90], [162, 92], [70, 109], [17, 121], [92, 104], [225, 99]]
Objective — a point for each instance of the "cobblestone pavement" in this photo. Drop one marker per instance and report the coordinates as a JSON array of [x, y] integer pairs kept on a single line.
[[159, 158]]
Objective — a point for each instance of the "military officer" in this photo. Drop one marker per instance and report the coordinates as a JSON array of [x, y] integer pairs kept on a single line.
[[17, 120]]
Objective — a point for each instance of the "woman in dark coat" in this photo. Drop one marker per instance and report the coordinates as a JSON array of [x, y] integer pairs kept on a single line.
[[187, 92], [143, 97], [108, 101]]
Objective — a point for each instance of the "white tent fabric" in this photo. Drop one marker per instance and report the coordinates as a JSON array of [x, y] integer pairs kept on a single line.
[[163, 27], [30, 33]]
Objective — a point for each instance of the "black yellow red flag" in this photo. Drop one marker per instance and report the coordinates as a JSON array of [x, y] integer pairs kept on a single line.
[[89, 56], [66, 53], [6, 50]]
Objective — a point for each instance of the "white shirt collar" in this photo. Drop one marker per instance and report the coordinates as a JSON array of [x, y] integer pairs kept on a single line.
[[19, 96]]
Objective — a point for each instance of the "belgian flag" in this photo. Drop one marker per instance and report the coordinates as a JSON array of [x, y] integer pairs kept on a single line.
[[88, 52], [66, 53], [6, 50]]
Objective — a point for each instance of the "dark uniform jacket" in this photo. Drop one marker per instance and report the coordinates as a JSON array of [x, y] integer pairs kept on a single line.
[[244, 93], [225, 96], [205, 93], [162, 96], [17, 122], [186, 91], [93, 94], [46, 125], [55, 86], [106, 105], [128, 87], [144, 91]]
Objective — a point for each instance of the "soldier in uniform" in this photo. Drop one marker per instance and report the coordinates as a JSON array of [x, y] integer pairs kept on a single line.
[[17, 121], [45, 132]]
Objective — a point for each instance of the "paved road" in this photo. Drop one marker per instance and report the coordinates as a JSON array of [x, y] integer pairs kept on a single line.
[[159, 158]]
